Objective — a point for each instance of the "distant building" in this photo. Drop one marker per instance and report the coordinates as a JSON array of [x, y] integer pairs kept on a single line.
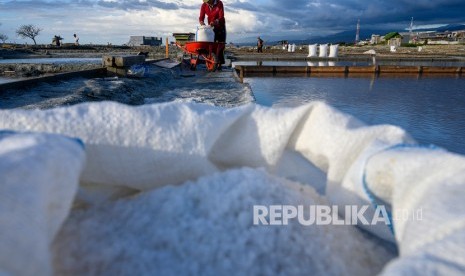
[[447, 37], [182, 38], [395, 41], [460, 37], [144, 40], [375, 39], [406, 37]]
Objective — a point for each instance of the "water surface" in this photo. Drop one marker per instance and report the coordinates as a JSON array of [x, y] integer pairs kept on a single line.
[[51, 60], [432, 110], [5, 80]]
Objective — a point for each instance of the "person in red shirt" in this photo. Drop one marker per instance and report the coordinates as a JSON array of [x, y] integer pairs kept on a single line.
[[214, 11]]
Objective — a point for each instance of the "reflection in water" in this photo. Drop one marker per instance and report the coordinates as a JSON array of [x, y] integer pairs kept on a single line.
[[430, 109], [372, 83]]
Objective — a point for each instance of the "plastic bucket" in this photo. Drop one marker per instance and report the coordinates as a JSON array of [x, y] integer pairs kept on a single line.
[[205, 34]]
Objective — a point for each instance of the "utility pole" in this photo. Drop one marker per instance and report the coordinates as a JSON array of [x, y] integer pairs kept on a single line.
[[411, 27], [411, 38], [357, 35], [167, 48]]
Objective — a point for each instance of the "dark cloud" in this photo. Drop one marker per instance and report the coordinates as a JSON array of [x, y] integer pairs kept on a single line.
[[277, 16], [343, 14]]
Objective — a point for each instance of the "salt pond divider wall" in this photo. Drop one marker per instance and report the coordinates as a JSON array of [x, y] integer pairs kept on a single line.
[[344, 71]]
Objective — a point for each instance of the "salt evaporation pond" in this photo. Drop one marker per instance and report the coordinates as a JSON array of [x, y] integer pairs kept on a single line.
[[51, 60], [141, 229], [430, 109], [5, 80]]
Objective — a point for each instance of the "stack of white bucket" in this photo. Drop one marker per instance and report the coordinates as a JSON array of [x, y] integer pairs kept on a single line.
[[333, 50]]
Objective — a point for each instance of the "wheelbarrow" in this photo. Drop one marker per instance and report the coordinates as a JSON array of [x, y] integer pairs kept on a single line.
[[203, 52]]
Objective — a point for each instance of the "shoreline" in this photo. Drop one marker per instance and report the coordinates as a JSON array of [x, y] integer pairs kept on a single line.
[[429, 53]]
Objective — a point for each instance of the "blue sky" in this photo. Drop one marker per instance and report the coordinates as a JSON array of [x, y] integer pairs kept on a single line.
[[103, 21]]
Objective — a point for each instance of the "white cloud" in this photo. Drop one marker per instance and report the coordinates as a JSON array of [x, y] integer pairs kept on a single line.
[[102, 21]]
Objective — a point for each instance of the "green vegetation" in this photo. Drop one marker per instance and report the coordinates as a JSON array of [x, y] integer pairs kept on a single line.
[[391, 35], [409, 45]]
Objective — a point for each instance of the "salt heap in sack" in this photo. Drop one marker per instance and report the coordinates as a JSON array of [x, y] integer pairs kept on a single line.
[[171, 188]]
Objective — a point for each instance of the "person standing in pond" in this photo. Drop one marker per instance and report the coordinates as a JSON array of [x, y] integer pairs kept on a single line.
[[76, 40], [259, 45], [214, 11]]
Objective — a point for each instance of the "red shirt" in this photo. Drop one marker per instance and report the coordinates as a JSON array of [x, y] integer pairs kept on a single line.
[[215, 14]]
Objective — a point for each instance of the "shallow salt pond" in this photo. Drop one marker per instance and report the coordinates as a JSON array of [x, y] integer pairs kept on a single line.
[[51, 60], [432, 110], [5, 80]]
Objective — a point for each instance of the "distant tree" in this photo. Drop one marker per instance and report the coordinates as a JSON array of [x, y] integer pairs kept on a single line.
[[3, 38], [391, 35], [29, 31]]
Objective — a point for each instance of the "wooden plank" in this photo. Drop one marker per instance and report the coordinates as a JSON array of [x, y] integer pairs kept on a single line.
[[246, 70], [434, 69], [258, 69], [290, 69], [398, 69], [328, 69], [361, 69]]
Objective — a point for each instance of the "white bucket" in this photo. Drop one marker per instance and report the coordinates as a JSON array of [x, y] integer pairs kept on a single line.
[[312, 49], [323, 50], [333, 50], [205, 34]]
